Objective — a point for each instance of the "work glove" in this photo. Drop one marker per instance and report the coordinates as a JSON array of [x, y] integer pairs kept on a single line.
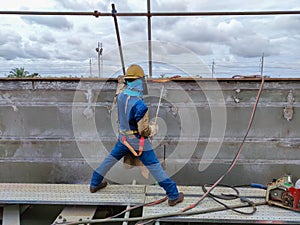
[[120, 87], [153, 129]]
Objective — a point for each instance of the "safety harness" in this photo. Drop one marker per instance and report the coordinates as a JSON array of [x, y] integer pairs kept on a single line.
[[127, 133], [125, 142]]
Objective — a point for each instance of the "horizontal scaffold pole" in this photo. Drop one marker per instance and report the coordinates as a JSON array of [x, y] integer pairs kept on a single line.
[[124, 14]]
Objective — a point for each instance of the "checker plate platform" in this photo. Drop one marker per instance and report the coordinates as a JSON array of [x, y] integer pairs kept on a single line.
[[121, 195], [70, 194], [264, 214]]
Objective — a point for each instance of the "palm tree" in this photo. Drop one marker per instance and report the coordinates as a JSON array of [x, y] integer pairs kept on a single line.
[[20, 73]]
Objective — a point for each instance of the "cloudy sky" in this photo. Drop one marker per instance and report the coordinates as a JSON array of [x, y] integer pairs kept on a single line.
[[65, 46]]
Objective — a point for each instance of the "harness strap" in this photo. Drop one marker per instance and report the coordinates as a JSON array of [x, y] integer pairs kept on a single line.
[[141, 146]]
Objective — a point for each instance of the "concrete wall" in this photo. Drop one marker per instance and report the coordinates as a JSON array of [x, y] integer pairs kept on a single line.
[[57, 131]]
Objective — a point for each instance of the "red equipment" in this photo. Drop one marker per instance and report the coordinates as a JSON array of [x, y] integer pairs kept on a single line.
[[283, 193]]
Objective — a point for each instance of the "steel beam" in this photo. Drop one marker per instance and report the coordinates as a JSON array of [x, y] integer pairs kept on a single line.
[[11, 215], [76, 213]]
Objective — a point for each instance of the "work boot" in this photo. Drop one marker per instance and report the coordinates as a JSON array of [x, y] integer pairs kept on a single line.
[[177, 200], [103, 184]]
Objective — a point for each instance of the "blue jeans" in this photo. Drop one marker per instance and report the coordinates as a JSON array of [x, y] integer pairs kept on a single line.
[[148, 158]]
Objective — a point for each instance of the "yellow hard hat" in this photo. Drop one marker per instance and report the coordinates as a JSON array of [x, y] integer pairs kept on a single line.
[[134, 71]]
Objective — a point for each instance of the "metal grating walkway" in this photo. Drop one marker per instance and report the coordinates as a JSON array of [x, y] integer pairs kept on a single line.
[[121, 195], [70, 194], [264, 214]]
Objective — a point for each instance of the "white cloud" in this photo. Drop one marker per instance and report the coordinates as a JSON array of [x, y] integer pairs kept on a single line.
[[11, 52], [200, 48], [9, 36], [233, 28], [73, 41], [26, 5], [253, 46], [171, 5], [47, 38], [36, 51], [60, 23], [288, 24]]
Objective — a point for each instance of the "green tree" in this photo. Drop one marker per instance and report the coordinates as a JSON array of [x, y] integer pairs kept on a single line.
[[20, 73]]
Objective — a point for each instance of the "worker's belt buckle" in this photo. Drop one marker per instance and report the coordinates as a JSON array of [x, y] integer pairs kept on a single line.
[[128, 132]]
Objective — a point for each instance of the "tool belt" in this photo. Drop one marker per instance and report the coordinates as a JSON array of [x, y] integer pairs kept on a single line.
[[125, 142]]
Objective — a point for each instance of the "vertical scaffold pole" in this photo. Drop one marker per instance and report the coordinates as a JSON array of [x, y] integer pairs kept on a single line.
[[114, 14], [149, 39]]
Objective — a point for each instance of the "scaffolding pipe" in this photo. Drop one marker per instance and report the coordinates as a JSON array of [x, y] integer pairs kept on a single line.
[[150, 14], [114, 12], [149, 39]]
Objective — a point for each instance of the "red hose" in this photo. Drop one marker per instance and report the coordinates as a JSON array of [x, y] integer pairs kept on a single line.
[[235, 159]]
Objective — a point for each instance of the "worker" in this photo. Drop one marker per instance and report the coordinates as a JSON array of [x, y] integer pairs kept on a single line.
[[134, 134]]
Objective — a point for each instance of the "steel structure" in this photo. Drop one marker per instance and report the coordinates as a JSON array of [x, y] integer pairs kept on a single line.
[[39, 144], [81, 207]]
